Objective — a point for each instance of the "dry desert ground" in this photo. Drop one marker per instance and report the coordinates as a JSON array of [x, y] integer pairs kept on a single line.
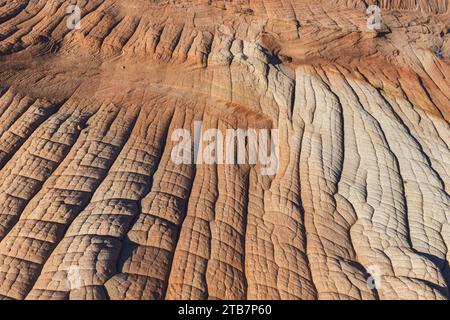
[[105, 106]]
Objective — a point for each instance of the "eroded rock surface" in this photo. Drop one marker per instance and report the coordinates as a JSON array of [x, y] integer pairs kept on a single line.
[[92, 206]]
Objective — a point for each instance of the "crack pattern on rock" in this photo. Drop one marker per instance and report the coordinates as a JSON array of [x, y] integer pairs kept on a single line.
[[87, 181]]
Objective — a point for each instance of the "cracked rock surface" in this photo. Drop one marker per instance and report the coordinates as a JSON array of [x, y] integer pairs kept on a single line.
[[93, 207]]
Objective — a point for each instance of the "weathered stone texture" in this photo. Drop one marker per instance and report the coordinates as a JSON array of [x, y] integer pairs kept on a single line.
[[88, 188]]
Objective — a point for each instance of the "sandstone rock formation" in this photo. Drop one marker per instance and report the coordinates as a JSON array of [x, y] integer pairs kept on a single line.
[[93, 207]]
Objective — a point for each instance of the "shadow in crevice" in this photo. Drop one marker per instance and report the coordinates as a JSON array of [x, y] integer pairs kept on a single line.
[[273, 58], [128, 247], [443, 266]]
